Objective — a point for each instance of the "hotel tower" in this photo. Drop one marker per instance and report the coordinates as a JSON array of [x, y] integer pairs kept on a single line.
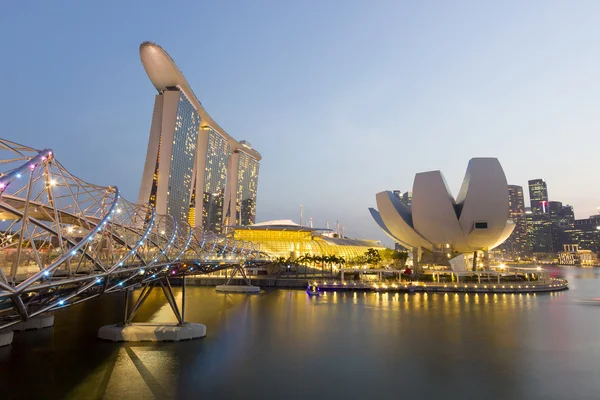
[[194, 170]]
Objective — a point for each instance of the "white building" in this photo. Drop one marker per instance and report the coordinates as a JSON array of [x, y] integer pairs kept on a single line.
[[436, 222]]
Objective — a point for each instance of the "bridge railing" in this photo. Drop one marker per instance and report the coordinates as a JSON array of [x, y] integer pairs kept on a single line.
[[63, 240]]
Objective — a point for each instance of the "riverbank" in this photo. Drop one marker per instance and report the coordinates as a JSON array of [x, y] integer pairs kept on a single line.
[[517, 287], [266, 282], [551, 285]]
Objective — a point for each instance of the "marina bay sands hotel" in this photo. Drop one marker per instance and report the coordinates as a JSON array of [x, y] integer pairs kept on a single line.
[[194, 170]]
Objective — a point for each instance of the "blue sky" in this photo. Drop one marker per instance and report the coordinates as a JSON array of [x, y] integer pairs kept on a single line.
[[342, 98]]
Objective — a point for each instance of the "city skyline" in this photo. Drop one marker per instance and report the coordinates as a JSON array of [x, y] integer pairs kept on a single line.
[[303, 110]]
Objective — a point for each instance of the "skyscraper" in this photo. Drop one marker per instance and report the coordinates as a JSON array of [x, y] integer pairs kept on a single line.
[[529, 229], [542, 227], [194, 170], [405, 198], [516, 244], [538, 196], [555, 211], [585, 233]]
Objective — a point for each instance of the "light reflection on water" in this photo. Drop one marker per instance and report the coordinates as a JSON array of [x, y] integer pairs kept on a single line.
[[284, 343]]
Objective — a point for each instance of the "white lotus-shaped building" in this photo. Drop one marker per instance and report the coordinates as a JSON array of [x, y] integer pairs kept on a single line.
[[478, 219]]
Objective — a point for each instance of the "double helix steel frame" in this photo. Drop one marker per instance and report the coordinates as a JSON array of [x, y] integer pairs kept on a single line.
[[64, 241]]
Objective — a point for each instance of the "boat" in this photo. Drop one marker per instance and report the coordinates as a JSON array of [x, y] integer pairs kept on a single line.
[[313, 291], [590, 302]]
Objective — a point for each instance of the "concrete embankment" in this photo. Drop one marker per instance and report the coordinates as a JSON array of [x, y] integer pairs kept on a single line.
[[287, 283], [260, 282]]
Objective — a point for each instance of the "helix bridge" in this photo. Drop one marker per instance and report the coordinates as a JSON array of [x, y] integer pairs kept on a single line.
[[64, 241]]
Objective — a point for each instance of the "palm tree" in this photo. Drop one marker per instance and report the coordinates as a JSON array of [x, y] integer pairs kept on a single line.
[[326, 260]]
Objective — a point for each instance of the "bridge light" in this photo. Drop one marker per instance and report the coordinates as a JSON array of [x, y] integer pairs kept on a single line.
[[61, 302], [46, 273], [120, 283], [74, 253], [19, 176], [98, 280], [52, 182], [154, 275], [142, 271]]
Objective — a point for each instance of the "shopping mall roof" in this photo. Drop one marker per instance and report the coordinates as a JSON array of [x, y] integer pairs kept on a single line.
[[278, 225]]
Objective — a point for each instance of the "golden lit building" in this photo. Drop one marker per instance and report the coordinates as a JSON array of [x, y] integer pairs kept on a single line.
[[284, 238], [194, 170]]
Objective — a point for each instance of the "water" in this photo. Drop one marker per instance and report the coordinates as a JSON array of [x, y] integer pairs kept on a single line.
[[284, 344]]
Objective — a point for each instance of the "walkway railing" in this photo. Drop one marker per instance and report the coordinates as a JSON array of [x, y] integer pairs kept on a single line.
[[63, 240]]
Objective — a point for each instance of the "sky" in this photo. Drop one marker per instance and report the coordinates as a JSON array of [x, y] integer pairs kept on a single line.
[[343, 99]]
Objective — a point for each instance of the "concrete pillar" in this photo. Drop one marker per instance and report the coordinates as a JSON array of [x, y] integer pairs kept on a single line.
[[6, 337], [415, 256], [38, 322], [486, 259]]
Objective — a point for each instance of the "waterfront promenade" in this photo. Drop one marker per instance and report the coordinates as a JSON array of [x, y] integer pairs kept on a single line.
[[286, 344], [496, 280]]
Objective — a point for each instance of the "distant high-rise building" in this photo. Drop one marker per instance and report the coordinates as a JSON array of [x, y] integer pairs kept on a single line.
[[538, 196], [529, 229], [516, 244], [568, 216], [405, 197], [194, 171], [555, 211], [585, 233], [542, 227]]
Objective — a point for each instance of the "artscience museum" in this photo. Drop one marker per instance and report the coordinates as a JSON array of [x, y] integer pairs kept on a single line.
[[437, 226]]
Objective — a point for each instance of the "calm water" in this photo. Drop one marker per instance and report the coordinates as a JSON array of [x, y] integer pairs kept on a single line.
[[282, 344]]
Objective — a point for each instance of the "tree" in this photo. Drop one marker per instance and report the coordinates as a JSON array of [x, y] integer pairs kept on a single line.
[[372, 256], [398, 259]]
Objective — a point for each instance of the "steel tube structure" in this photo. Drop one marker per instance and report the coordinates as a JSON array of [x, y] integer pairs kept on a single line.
[[64, 241]]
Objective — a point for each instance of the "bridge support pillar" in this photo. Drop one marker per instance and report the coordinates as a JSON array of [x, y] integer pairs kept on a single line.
[[129, 331], [6, 337], [38, 322], [229, 288]]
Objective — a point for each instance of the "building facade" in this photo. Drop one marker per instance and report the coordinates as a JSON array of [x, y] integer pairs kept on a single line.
[[440, 225], [541, 230], [284, 238], [405, 198], [585, 233], [516, 244], [194, 171]]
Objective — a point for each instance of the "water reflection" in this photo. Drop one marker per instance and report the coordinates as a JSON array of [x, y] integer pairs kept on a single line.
[[284, 343]]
